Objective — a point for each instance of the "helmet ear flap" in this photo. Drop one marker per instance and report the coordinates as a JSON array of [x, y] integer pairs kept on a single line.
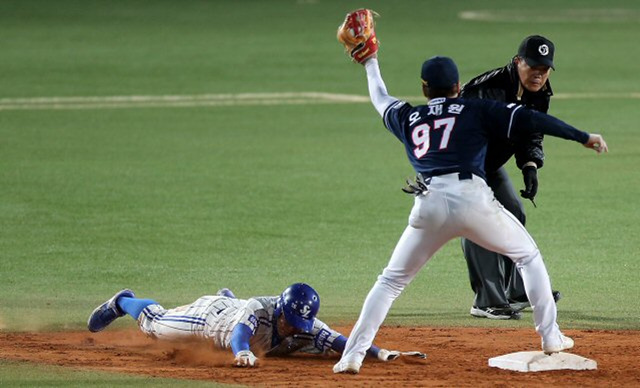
[[279, 303]]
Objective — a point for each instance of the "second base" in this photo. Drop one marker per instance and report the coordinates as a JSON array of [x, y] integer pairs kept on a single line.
[[538, 361]]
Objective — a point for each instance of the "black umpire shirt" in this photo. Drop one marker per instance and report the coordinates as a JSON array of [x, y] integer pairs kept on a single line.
[[503, 84]]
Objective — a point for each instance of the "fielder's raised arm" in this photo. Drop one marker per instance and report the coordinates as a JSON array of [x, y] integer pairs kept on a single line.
[[357, 34], [380, 99]]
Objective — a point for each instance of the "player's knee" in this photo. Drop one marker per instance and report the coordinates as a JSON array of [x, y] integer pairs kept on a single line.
[[416, 220], [394, 282], [527, 257], [147, 318]]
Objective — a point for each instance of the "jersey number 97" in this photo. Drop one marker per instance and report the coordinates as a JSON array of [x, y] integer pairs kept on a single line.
[[421, 135]]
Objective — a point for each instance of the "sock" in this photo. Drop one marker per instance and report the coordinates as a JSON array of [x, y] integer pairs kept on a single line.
[[133, 306]]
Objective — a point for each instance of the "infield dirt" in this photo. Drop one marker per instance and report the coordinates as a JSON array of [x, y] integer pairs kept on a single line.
[[456, 357]]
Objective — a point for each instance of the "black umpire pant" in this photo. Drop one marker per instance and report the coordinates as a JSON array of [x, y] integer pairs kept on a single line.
[[494, 278]]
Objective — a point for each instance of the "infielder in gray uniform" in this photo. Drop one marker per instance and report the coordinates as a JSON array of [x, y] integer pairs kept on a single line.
[[270, 325]]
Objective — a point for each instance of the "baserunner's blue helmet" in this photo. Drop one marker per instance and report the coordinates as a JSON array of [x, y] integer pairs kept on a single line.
[[300, 304]]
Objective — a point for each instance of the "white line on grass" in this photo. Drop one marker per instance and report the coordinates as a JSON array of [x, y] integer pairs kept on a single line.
[[161, 101], [210, 100], [589, 96], [577, 15]]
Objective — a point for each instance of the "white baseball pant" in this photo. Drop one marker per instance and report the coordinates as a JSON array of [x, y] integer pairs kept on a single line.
[[455, 208], [212, 317]]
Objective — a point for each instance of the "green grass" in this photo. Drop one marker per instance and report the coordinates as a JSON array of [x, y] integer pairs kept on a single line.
[[24, 374], [178, 202]]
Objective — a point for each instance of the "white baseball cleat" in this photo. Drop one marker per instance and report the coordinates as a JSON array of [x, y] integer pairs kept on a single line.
[[565, 344], [350, 367]]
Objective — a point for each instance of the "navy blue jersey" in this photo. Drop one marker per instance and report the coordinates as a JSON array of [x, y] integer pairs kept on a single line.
[[451, 134]]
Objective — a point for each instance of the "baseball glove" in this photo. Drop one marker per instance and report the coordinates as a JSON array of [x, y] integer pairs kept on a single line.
[[390, 355], [358, 36]]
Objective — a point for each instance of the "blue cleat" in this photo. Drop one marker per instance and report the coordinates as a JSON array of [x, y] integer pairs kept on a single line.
[[226, 292], [107, 312]]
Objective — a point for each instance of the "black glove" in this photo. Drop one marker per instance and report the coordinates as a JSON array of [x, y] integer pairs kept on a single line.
[[420, 186], [530, 175]]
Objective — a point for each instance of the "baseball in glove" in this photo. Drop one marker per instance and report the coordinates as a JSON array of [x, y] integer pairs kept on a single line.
[[358, 36]]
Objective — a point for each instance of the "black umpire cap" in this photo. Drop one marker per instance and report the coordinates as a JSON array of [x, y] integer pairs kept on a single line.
[[537, 50]]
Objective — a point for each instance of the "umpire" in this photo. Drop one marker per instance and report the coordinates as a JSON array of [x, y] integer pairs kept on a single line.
[[494, 279]]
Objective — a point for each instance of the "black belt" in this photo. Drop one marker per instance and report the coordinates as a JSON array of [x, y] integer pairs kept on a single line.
[[461, 175], [465, 175]]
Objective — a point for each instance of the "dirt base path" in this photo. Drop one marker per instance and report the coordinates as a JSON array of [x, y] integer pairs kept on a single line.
[[456, 357]]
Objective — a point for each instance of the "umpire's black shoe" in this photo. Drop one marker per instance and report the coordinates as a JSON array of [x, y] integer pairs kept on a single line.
[[519, 306], [556, 296], [498, 312]]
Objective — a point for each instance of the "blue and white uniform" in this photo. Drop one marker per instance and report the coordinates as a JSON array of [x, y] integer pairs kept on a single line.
[[231, 322], [446, 141]]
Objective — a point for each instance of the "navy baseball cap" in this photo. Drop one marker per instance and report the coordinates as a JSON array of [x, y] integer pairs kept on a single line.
[[537, 50], [439, 73]]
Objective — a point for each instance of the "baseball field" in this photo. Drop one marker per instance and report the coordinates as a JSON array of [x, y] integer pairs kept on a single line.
[[178, 147]]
